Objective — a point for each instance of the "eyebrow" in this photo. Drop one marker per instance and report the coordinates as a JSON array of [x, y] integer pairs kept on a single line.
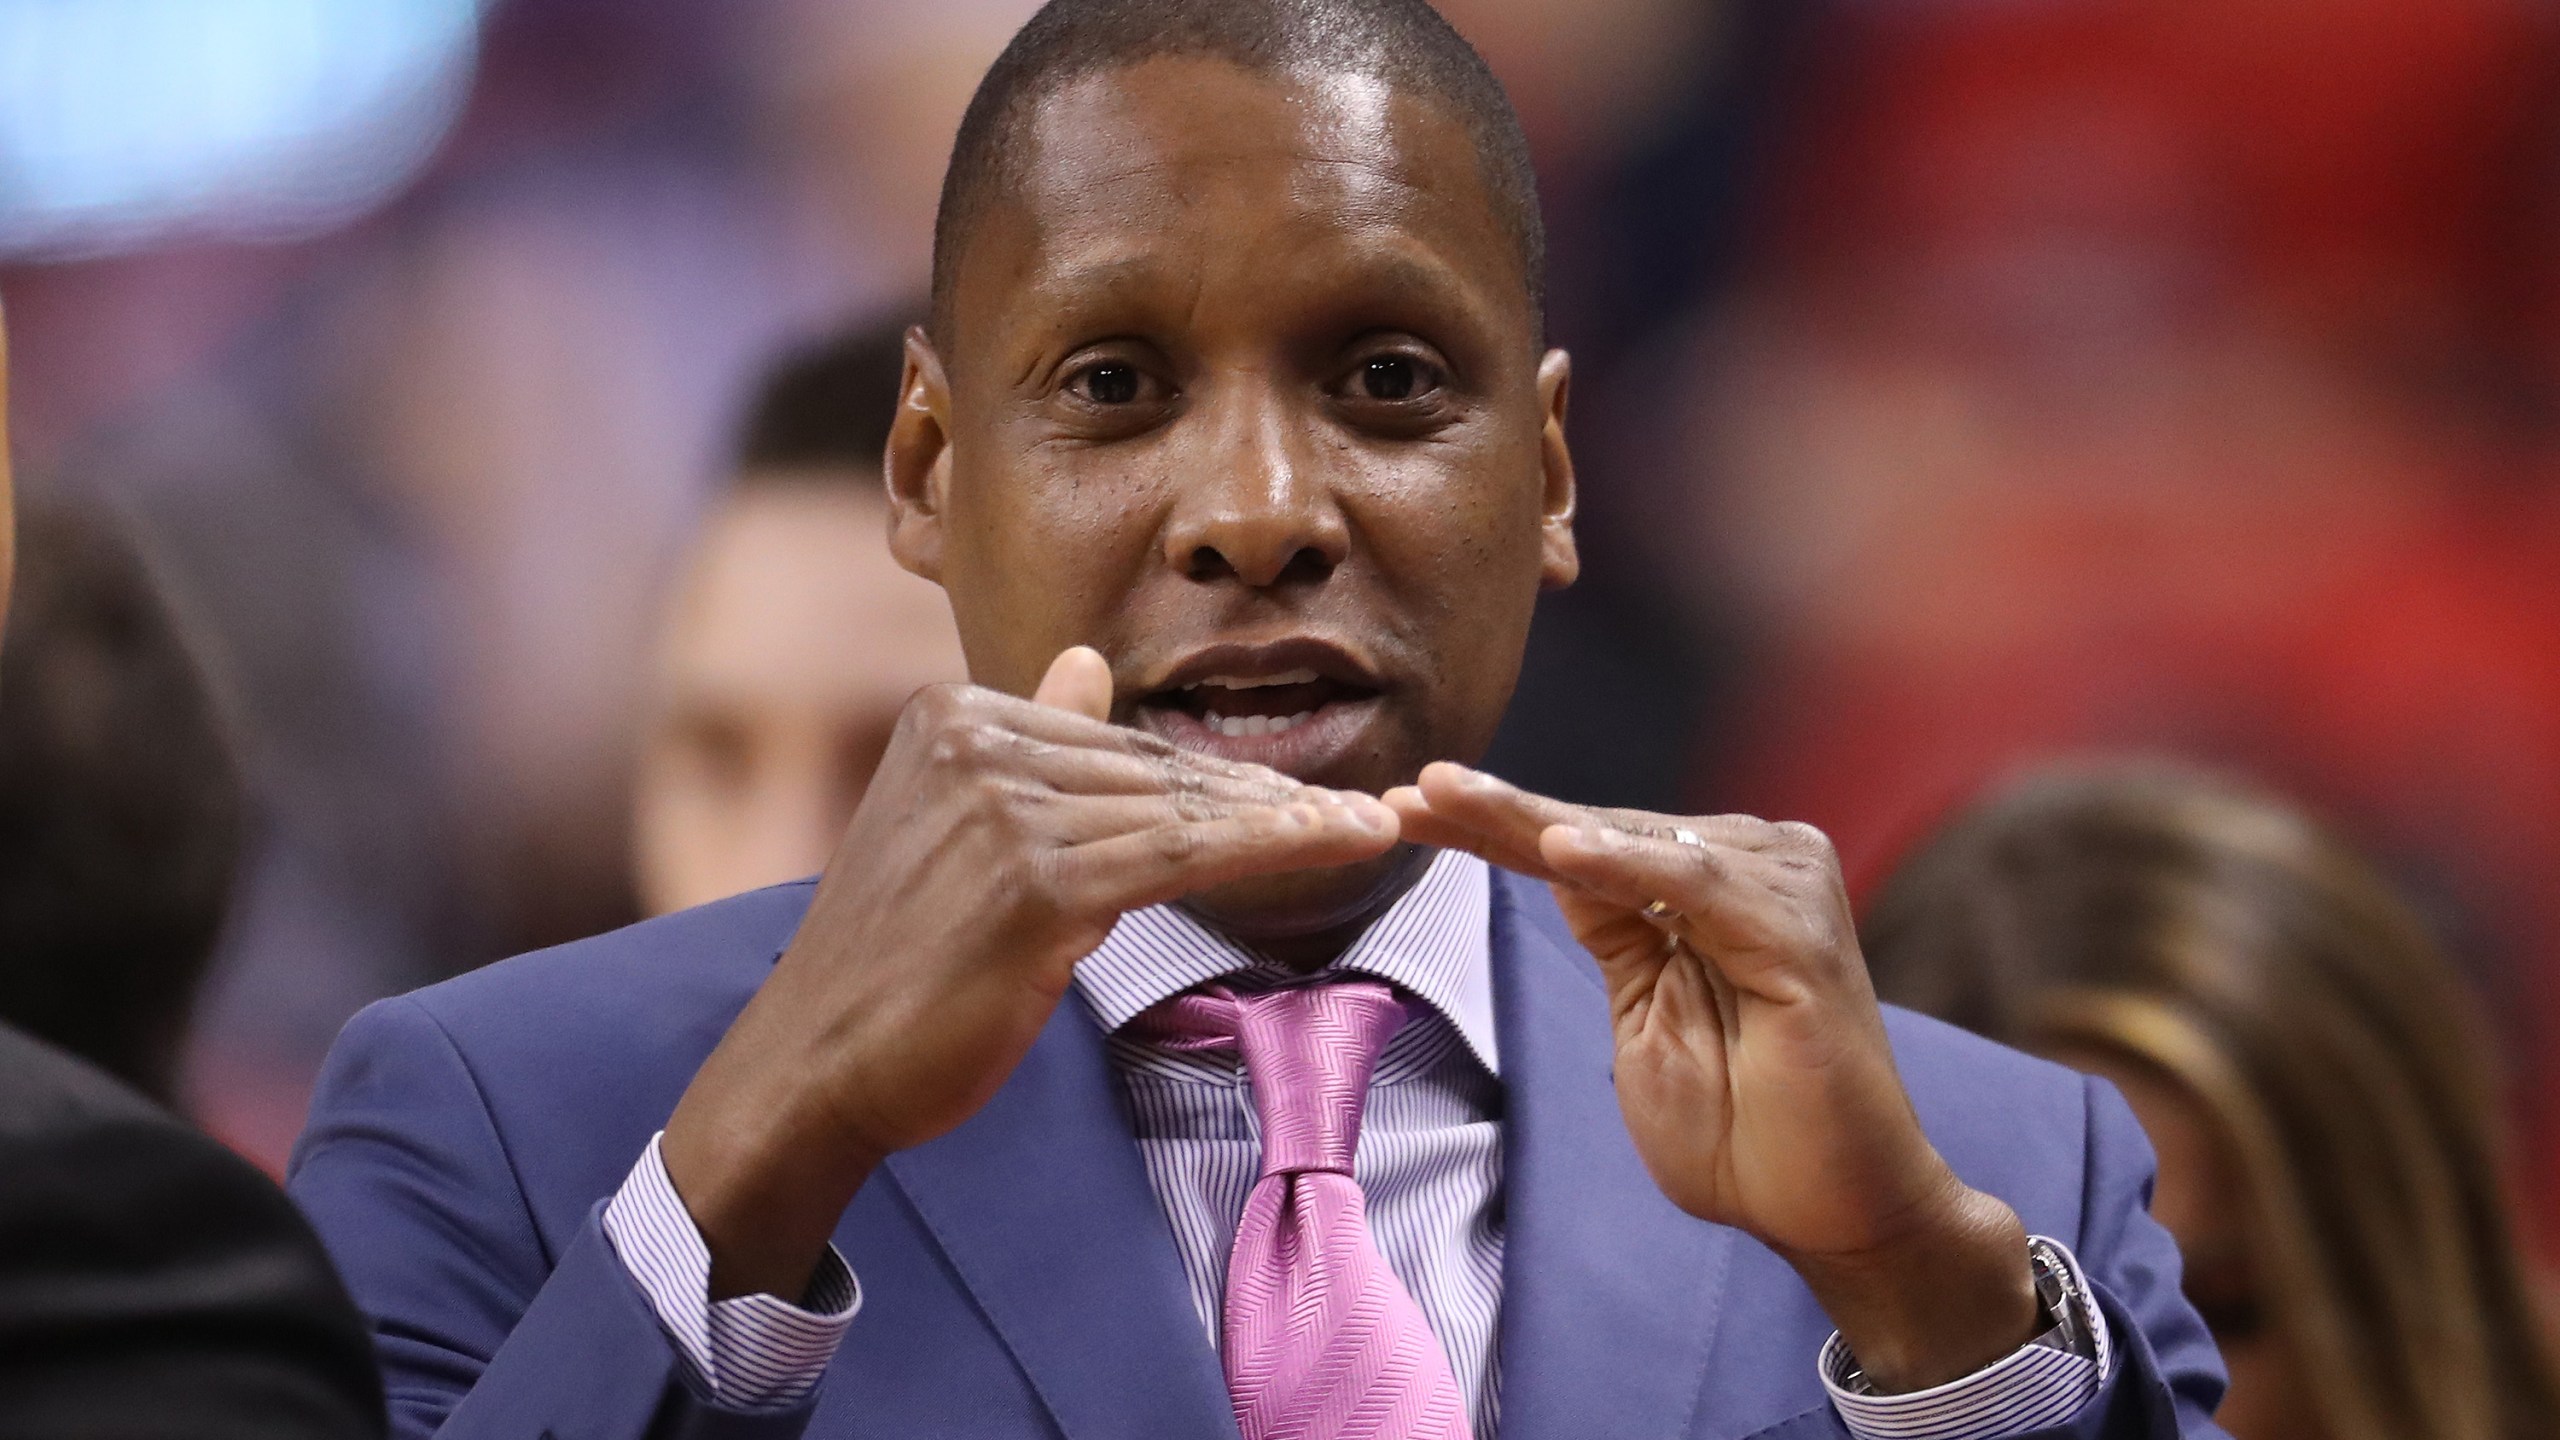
[[1102, 274], [1409, 273]]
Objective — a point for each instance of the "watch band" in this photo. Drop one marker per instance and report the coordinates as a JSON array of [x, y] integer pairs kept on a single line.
[[2060, 1297], [2066, 1304]]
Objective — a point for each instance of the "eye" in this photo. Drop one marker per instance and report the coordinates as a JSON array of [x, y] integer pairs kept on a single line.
[[1390, 377], [1109, 383], [1401, 381], [1113, 391]]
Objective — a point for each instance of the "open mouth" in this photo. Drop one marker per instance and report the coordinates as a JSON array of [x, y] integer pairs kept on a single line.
[[1243, 707], [1289, 710]]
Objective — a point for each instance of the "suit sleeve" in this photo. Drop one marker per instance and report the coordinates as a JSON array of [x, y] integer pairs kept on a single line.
[[2166, 1377], [481, 1331], [153, 1284]]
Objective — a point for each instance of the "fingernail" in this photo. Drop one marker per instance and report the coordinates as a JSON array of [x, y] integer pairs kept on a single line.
[[1373, 817]]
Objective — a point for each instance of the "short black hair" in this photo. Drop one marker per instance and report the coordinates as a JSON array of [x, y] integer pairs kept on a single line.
[[121, 812], [824, 408], [1405, 43]]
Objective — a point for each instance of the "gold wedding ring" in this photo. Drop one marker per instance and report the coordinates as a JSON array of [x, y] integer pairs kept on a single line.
[[1660, 912]]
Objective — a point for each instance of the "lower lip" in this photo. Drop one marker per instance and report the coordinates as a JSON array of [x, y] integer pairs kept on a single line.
[[1305, 751]]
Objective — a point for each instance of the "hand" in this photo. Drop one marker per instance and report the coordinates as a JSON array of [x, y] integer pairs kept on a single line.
[[1752, 1063], [996, 846]]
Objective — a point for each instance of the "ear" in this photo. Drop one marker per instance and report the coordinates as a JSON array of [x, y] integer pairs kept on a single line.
[[917, 464], [1560, 562]]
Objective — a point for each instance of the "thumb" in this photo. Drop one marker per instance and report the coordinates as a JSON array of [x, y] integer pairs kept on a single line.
[[1078, 680]]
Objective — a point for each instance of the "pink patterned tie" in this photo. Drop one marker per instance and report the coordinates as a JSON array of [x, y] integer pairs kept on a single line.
[[1322, 1340]]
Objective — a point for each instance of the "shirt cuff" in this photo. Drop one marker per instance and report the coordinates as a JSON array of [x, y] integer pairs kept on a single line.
[[2033, 1388], [750, 1352]]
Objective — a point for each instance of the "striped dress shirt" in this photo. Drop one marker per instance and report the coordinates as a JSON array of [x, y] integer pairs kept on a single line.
[[1430, 1154], [1429, 1162]]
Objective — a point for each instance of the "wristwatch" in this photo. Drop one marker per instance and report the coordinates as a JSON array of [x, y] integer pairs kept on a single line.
[[2061, 1297], [2065, 1301]]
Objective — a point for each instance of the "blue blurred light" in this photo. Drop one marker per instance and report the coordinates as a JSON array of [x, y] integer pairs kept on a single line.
[[130, 122]]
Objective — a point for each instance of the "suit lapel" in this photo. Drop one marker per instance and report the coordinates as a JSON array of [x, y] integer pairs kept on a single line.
[[1609, 1291], [1041, 1204]]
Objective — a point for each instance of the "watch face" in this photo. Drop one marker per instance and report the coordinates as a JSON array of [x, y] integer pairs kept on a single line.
[[2059, 1296]]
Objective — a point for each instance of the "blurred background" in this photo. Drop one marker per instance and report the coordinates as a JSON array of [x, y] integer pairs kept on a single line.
[[1960, 382]]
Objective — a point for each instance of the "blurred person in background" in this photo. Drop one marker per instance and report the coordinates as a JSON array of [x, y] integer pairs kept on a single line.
[[2123, 374], [2303, 1059], [120, 805], [419, 479], [794, 641], [152, 1283]]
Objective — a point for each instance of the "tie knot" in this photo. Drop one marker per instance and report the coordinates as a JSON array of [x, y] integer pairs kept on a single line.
[[1308, 1051]]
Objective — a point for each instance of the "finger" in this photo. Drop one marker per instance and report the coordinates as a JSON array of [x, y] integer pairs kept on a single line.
[[1723, 900], [1615, 935], [1420, 824], [1079, 680], [1630, 952], [1070, 819], [1739, 832], [1166, 862], [1489, 799], [1633, 952], [1476, 797], [1077, 770], [1492, 817], [998, 718], [1462, 808], [1635, 870], [1472, 796], [1061, 727]]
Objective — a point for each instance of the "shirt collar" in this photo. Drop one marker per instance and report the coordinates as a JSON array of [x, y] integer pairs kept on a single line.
[[1434, 941]]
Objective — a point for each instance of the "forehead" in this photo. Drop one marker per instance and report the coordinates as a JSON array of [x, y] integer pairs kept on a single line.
[[1199, 172]]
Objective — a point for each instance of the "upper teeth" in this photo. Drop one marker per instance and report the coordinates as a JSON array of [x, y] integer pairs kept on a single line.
[[1255, 682], [1241, 725]]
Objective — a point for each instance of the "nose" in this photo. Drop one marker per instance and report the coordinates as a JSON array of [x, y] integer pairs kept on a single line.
[[1251, 506]]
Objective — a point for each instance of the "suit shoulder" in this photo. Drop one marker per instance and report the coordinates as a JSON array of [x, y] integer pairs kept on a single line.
[[548, 1071], [2018, 1126], [1937, 1048], [635, 979], [1954, 1074]]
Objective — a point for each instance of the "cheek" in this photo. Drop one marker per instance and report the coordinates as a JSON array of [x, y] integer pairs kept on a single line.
[[1456, 534], [1455, 552], [1042, 556]]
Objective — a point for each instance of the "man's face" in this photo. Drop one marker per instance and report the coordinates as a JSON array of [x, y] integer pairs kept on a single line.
[[1242, 387], [793, 644]]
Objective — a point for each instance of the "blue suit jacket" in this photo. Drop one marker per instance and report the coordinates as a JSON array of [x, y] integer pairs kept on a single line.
[[1019, 1278]]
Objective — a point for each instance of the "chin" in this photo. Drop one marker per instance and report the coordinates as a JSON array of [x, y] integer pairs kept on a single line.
[[1308, 905]]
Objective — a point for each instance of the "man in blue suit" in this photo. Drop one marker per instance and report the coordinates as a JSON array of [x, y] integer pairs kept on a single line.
[[1184, 1042]]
